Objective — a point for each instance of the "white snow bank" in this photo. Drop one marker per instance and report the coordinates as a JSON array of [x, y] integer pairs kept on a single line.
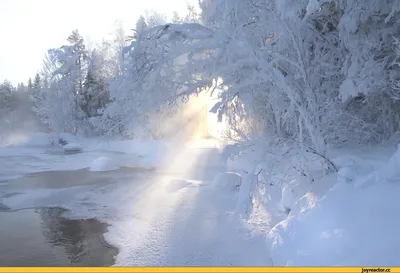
[[347, 227], [103, 164], [73, 147], [228, 180], [389, 172], [354, 224]]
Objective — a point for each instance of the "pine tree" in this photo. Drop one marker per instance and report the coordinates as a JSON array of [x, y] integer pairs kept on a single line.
[[7, 96], [60, 105], [95, 92], [30, 85], [141, 26], [176, 18], [79, 55]]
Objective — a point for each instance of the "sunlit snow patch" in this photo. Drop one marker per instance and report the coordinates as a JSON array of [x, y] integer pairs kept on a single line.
[[175, 185]]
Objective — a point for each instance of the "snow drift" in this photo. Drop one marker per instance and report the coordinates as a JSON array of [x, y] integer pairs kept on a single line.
[[350, 226]]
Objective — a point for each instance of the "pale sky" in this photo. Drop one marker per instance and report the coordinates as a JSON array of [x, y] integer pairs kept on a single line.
[[29, 27]]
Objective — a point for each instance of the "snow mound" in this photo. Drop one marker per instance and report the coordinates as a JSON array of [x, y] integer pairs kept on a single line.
[[288, 198], [307, 202], [346, 174], [342, 229], [103, 164], [175, 185], [228, 180], [73, 148], [389, 172]]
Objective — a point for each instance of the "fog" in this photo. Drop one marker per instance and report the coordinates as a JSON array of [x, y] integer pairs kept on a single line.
[[18, 120]]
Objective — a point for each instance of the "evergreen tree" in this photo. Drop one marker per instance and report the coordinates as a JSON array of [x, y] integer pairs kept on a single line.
[[7, 96], [141, 25], [30, 85], [37, 82], [95, 92]]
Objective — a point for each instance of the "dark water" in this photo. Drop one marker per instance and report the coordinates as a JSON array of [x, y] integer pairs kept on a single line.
[[43, 237]]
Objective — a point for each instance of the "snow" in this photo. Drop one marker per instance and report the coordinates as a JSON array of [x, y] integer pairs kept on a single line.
[[40, 152], [282, 172], [73, 147], [336, 219], [287, 197], [353, 224], [176, 185], [313, 6], [201, 210], [228, 181], [347, 227], [103, 164], [244, 197]]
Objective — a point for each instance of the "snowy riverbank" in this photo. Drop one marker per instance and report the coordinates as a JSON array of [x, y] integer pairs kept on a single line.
[[187, 209]]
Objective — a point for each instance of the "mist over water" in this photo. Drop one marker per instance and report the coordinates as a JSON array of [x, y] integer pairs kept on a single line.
[[19, 121]]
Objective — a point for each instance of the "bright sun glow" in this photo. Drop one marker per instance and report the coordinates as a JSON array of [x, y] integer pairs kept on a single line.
[[32, 27]]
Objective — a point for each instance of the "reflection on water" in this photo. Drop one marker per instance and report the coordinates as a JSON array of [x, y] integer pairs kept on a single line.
[[43, 237]]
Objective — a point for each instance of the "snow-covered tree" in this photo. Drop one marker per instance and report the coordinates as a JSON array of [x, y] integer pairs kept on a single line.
[[154, 18], [7, 96], [115, 51], [95, 92], [22, 88], [176, 18], [161, 65], [192, 16], [30, 85], [60, 105], [368, 32]]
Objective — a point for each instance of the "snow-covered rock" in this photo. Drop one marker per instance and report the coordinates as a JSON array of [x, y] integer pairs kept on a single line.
[[103, 164], [73, 148], [228, 180]]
